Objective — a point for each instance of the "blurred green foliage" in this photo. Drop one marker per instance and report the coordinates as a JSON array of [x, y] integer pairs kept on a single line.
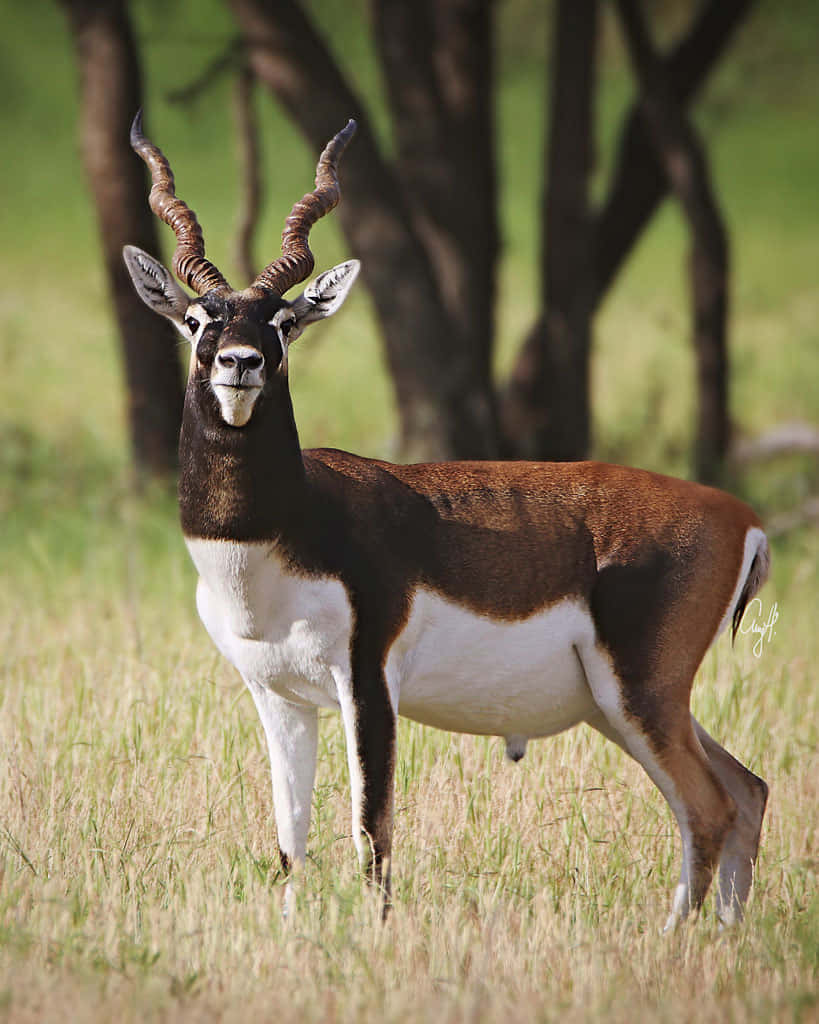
[[61, 413]]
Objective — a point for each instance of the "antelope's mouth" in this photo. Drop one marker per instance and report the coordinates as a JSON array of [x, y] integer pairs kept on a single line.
[[236, 401]]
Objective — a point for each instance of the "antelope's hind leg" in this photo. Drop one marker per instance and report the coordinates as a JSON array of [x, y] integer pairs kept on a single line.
[[658, 732], [750, 794]]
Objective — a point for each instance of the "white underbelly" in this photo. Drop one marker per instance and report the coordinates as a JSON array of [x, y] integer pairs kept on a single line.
[[449, 667], [455, 669]]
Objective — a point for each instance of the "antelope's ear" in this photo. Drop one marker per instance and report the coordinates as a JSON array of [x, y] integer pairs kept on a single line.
[[324, 295], [155, 286]]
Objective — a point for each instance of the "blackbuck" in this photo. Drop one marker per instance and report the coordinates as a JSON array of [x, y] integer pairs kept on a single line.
[[512, 599]]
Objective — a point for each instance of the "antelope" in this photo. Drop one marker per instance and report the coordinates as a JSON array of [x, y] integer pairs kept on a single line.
[[514, 599]]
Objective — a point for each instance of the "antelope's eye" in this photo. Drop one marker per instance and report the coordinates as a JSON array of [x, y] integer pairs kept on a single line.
[[192, 324], [286, 326]]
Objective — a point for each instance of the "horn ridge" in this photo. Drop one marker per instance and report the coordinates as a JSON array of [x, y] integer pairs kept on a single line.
[[189, 262], [296, 261]]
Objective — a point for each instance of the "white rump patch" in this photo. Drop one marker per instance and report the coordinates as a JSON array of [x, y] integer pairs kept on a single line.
[[154, 285], [754, 540]]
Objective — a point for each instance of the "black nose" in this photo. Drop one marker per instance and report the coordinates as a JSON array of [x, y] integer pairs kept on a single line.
[[240, 360]]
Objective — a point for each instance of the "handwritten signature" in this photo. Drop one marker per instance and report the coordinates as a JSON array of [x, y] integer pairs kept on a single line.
[[763, 630]]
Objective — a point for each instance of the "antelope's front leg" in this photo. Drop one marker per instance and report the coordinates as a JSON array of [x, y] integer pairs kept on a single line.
[[292, 738], [370, 732]]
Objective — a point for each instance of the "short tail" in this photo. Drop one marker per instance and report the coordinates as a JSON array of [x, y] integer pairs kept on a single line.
[[757, 574]]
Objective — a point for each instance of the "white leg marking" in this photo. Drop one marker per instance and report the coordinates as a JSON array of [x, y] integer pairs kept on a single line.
[[736, 874], [349, 717], [736, 866], [681, 903], [606, 689], [292, 740]]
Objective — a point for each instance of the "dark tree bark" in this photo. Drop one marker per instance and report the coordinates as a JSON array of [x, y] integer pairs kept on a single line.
[[437, 58], [110, 95], [686, 168], [444, 398], [639, 183], [425, 226], [547, 401]]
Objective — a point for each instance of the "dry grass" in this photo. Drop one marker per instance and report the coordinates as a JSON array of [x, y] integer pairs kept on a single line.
[[137, 871], [137, 868]]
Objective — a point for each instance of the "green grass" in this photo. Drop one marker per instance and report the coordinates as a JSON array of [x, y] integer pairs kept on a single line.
[[137, 869]]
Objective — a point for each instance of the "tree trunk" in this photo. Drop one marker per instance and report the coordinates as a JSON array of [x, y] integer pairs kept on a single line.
[[425, 228], [683, 159], [639, 183], [444, 400], [247, 138], [437, 58], [546, 408], [110, 95], [709, 294]]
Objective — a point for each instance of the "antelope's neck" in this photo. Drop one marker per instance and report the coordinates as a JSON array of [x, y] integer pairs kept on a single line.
[[244, 483]]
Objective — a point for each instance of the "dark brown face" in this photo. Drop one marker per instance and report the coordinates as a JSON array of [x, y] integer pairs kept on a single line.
[[238, 343], [239, 340]]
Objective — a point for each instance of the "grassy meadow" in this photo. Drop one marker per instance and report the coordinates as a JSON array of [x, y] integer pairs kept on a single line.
[[138, 875]]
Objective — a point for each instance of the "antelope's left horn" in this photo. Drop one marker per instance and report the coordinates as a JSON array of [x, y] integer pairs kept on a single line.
[[296, 261]]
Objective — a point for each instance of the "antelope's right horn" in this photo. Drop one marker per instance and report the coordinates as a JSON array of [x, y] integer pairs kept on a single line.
[[189, 262]]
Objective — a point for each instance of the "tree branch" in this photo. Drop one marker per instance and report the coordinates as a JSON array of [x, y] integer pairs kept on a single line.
[[795, 438], [247, 134], [683, 159], [639, 181], [230, 59]]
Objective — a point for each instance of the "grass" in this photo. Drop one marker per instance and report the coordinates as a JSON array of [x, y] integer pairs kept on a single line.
[[137, 873], [137, 869]]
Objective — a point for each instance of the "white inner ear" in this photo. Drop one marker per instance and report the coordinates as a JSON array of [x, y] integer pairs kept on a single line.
[[323, 296], [155, 286], [329, 290]]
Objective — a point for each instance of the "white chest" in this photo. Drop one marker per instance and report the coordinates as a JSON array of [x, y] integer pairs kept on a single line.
[[278, 627]]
